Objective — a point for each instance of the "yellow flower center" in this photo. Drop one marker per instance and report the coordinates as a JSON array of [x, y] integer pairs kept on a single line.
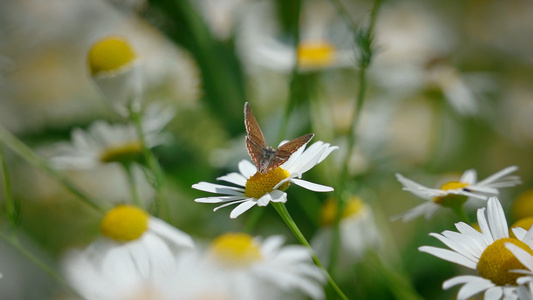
[[525, 223], [235, 250], [110, 54], [451, 200], [523, 205], [260, 184], [124, 153], [124, 223], [329, 209], [315, 54], [496, 262]]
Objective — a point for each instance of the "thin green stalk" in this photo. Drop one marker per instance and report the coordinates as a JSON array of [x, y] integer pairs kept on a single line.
[[153, 165], [26, 153], [284, 214], [364, 40], [135, 198], [14, 241], [12, 205]]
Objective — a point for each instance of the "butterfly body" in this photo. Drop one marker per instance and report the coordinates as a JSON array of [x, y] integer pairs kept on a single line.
[[265, 157]]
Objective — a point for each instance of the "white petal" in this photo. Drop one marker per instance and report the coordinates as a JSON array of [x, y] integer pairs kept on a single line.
[[264, 200], [494, 293], [449, 255], [241, 208], [525, 258], [473, 285], [234, 178], [247, 169], [278, 196], [496, 219], [171, 233], [218, 189], [219, 199], [469, 176], [498, 175], [413, 187], [522, 234], [312, 186]]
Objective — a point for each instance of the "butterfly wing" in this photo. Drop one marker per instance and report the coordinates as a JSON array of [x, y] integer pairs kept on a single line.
[[255, 140], [285, 151]]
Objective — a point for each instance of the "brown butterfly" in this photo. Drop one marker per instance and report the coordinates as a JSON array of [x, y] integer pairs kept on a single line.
[[267, 158]]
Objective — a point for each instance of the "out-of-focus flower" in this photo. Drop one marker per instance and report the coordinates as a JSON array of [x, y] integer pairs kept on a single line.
[[415, 44], [259, 189], [485, 252], [324, 41], [523, 205], [134, 253], [221, 15], [454, 194], [253, 268], [105, 143], [114, 67], [358, 231]]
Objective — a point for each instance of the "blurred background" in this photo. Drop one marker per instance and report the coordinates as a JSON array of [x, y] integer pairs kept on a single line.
[[449, 88]]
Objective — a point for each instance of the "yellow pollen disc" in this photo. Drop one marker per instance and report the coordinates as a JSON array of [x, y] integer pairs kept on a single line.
[[126, 152], [124, 223], [523, 205], [496, 262], [235, 249], [329, 209], [315, 54], [451, 200], [525, 223], [110, 54], [260, 184]]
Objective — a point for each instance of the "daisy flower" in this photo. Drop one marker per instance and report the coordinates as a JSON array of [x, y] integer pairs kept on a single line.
[[104, 143], [259, 189], [115, 69], [484, 251], [358, 231], [135, 251], [454, 194], [325, 42], [253, 268]]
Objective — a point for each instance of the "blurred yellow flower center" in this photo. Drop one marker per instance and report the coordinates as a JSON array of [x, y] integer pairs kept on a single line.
[[236, 250], [523, 205], [260, 184], [124, 223], [124, 153], [496, 262], [329, 210], [451, 200], [315, 54], [525, 223], [110, 54]]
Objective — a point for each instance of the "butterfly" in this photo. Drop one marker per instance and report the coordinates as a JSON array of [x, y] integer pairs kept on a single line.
[[267, 158]]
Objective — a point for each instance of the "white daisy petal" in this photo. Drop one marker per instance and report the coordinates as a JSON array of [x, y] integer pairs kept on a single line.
[[498, 175], [524, 257], [217, 188], [263, 201], [247, 169], [241, 208], [312, 186], [450, 256], [278, 196], [494, 293], [232, 203], [469, 176], [234, 178], [219, 199], [496, 219]]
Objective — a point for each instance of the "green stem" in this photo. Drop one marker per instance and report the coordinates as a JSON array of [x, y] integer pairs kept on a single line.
[[460, 211], [14, 241], [284, 214], [26, 153], [153, 165], [364, 40], [12, 205], [135, 198]]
